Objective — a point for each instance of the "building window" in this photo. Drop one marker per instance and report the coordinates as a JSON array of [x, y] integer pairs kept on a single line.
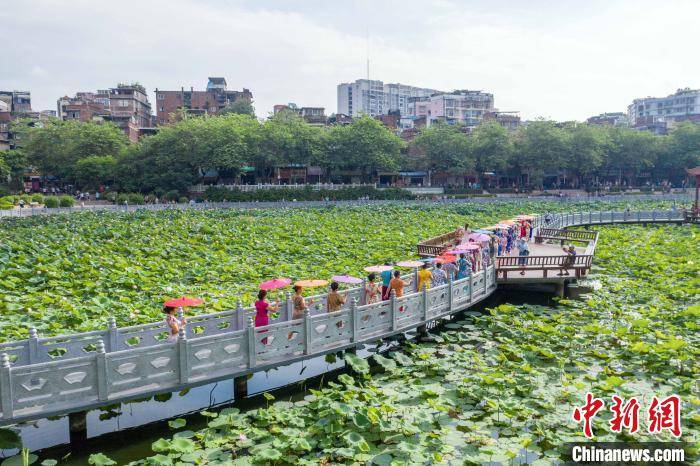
[[161, 96], [162, 109]]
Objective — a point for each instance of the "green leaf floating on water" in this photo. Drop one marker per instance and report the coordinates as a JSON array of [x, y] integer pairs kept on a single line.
[[9, 439], [357, 364], [177, 423], [386, 363], [17, 460], [100, 459]]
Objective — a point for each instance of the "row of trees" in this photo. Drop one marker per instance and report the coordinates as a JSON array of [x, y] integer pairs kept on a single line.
[[571, 154], [541, 153]]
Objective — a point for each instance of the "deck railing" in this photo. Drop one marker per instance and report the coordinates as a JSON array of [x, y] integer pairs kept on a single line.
[[579, 263], [565, 235]]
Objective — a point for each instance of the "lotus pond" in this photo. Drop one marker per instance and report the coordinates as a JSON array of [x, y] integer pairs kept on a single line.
[[70, 273], [496, 388]]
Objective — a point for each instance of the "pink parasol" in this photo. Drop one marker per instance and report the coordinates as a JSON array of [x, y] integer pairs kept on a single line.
[[184, 302], [275, 284], [378, 268], [479, 237], [410, 264], [346, 279]]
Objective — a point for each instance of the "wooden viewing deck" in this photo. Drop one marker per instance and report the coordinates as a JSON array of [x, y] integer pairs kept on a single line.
[[41, 377]]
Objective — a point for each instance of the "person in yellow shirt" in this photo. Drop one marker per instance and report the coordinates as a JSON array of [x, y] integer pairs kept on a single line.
[[424, 277]]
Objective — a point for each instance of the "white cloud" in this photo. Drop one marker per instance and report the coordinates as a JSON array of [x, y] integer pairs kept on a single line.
[[566, 60]]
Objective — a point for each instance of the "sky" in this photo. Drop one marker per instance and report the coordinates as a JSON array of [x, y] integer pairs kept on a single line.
[[565, 59]]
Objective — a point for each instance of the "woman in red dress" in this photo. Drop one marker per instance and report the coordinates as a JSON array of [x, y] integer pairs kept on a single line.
[[262, 307]]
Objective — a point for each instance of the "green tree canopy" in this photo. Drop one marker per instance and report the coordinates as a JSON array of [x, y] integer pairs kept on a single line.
[[587, 146], [56, 147], [365, 145], [288, 139], [492, 148], [445, 147], [239, 107], [540, 148]]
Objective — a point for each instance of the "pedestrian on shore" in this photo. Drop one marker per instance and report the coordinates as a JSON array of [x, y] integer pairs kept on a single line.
[[373, 291], [424, 277]]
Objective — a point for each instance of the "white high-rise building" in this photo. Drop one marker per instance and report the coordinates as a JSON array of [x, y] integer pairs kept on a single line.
[[374, 98], [656, 113]]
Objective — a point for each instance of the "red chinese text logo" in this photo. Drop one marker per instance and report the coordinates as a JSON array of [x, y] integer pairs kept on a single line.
[[664, 414]]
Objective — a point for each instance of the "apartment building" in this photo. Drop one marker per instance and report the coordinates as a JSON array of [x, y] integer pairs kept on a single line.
[[609, 119], [658, 113], [509, 120], [209, 102], [13, 105], [461, 106], [312, 115], [375, 98], [83, 106]]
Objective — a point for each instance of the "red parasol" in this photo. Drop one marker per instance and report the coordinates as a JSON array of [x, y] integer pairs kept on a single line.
[[275, 284], [445, 258], [184, 302]]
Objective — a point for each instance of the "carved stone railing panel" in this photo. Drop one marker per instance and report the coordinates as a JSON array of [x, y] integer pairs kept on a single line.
[[58, 383], [142, 370], [217, 354]]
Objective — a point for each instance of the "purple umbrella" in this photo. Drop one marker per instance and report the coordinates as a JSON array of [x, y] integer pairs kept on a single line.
[[346, 279], [480, 237]]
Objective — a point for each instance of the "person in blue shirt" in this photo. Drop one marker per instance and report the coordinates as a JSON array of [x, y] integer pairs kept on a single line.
[[464, 267], [386, 278]]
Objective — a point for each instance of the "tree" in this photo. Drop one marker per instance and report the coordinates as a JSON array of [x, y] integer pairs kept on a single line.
[[365, 145], [540, 149], [288, 139], [587, 146], [631, 152], [679, 151], [57, 146], [178, 155], [446, 148], [94, 171], [239, 107], [492, 148]]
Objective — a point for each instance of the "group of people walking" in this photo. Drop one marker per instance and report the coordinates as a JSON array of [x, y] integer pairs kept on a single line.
[[379, 286]]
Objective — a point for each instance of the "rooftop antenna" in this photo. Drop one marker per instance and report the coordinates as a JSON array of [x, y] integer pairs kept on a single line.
[[367, 39]]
